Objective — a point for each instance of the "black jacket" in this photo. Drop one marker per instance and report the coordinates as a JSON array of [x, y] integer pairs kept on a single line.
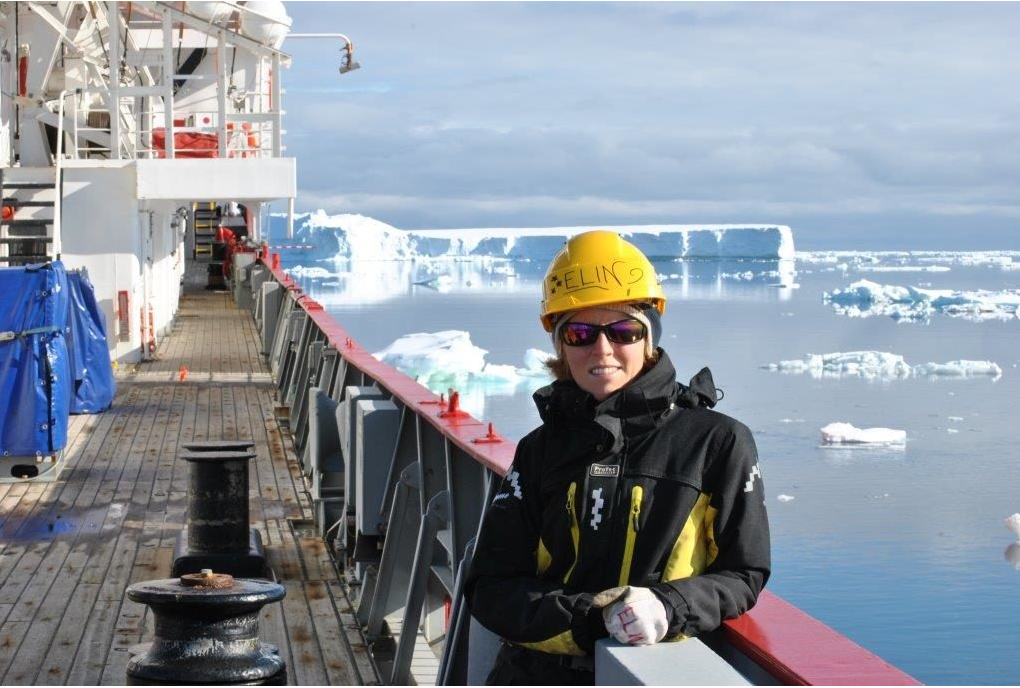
[[648, 488]]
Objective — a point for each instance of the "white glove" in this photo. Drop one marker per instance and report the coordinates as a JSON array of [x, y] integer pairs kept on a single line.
[[636, 618]]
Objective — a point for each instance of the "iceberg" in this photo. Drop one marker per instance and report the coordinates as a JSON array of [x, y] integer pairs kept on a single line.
[[356, 237], [866, 364], [872, 365], [847, 434], [448, 359], [534, 363], [865, 298]]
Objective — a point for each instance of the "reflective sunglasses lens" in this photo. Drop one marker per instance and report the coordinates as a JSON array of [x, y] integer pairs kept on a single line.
[[579, 334], [619, 332], [625, 331]]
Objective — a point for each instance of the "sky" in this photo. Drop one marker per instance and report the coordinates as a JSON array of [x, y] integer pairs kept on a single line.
[[860, 125]]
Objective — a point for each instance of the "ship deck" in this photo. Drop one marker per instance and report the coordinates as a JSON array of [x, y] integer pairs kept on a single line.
[[69, 548]]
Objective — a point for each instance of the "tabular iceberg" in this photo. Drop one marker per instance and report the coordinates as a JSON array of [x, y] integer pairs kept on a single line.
[[356, 237]]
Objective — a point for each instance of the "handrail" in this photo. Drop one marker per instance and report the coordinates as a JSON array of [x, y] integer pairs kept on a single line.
[[57, 185], [459, 430], [788, 644], [799, 650]]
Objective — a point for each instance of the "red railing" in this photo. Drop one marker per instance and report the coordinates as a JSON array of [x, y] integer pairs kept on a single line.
[[788, 644]]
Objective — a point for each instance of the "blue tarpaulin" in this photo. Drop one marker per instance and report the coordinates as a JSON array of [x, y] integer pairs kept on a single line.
[[35, 373], [92, 374]]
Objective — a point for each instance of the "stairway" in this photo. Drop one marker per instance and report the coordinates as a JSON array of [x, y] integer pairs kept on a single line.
[[207, 220], [26, 225]]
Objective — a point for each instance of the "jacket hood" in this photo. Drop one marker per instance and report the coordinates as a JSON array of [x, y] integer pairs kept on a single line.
[[639, 407]]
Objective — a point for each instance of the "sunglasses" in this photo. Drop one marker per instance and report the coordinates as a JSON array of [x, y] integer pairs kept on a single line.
[[620, 332]]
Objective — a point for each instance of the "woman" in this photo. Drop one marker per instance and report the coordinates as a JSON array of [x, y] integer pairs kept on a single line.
[[634, 510]]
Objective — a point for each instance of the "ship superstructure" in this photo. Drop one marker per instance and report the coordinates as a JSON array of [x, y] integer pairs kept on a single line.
[[120, 120]]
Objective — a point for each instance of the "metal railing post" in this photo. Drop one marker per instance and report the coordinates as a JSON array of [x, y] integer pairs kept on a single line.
[[402, 521], [453, 662], [221, 95], [168, 86], [436, 516], [57, 177]]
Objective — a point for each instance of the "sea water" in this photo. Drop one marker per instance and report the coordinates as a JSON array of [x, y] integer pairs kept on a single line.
[[901, 549]]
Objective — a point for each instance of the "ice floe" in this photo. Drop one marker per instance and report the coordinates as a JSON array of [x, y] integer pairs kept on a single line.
[[846, 434], [349, 236], [958, 369], [1013, 523], [312, 272], [865, 298], [911, 260], [904, 268], [440, 360], [873, 365]]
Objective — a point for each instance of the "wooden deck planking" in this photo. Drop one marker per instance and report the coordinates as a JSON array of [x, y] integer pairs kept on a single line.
[[69, 549]]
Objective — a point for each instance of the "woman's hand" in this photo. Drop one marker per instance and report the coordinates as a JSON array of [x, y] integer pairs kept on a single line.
[[633, 616]]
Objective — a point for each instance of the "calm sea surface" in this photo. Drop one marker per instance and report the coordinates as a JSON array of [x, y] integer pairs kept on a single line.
[[902, 550]]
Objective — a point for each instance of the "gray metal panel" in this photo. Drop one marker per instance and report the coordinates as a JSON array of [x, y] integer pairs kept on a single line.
[[259, 275], [377, 423], [242, 265], [295, 379], [347, 432], [306, 378], [484, 645], [686, 663], [281, 339], [323, 438], [271, 297]]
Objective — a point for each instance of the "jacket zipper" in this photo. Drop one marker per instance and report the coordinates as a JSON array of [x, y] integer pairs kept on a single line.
[[575, 529], [636, 494]]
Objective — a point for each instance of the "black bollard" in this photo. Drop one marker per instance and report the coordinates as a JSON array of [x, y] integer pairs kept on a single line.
[[206, 629], [218, 535]]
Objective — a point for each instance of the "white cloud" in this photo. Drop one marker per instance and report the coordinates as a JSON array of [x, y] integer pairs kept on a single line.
[[493, 114]]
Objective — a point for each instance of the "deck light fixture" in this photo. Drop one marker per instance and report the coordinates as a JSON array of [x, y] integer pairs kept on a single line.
[[347, 61]]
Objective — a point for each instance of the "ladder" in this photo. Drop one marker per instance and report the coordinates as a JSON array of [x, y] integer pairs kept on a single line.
[[207, 220], [29, 206]]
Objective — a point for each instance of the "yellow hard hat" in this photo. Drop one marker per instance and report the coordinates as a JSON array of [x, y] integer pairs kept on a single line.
[[596, 268]]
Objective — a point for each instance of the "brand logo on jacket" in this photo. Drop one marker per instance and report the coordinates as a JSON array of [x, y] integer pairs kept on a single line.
[[597, 471]]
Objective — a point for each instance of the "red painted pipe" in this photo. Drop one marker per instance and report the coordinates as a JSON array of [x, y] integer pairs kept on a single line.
[[23, 76]]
